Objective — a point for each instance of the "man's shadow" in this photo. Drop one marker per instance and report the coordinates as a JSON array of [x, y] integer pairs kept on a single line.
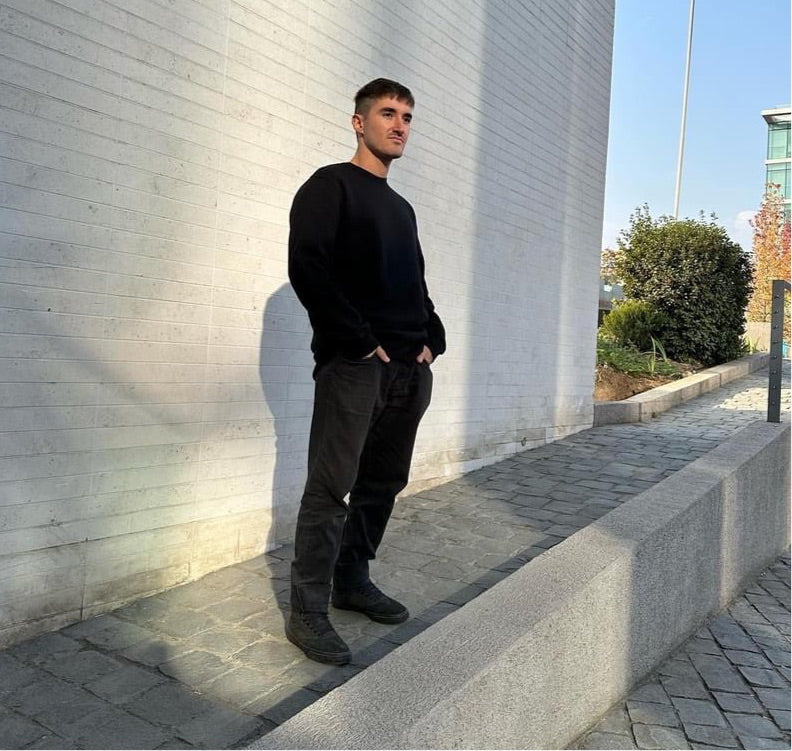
[[285, 371]]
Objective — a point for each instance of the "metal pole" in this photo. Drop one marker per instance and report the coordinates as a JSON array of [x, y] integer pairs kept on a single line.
[[685, 90], [776, 351]]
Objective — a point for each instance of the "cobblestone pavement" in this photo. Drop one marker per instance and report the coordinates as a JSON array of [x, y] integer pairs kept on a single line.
[[726, 687], [206, 665]]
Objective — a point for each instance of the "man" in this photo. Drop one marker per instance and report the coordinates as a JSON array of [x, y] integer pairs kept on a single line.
[[356, 265]]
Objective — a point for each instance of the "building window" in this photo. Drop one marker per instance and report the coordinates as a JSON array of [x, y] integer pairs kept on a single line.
[[778, 145], [778, 174]]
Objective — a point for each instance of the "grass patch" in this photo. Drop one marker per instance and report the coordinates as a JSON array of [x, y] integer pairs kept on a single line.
[[630, 360]]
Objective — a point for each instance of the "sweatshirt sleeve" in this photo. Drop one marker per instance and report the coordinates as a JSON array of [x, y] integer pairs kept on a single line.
[[313, 221], [435, 331]]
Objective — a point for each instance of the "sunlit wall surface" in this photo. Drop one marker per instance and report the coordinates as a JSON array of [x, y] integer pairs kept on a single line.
[[155, 377]]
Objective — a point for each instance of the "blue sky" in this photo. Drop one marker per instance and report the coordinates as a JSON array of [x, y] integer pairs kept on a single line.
[[740, 66]]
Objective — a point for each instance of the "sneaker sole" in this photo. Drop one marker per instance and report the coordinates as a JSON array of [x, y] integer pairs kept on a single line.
[[378, 617], [329, 658]]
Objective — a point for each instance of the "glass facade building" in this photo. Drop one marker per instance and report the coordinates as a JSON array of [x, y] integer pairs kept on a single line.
[[779, 158]]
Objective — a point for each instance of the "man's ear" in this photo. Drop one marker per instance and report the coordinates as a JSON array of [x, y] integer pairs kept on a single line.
[[357, 123]]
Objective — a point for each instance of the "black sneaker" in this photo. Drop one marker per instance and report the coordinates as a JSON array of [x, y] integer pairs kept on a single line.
[[371, 601], [314, 634]]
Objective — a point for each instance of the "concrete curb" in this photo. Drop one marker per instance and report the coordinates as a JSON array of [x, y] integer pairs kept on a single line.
[[538, 658], [643, 407]]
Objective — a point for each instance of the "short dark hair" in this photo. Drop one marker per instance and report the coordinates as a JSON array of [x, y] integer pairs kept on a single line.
[[379, 88]]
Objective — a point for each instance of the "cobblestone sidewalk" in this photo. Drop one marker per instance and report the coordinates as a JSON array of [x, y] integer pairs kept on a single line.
[[726, 687], [206, 665]]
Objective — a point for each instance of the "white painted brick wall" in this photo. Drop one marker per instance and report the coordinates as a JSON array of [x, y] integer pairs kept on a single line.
[[155, 377]]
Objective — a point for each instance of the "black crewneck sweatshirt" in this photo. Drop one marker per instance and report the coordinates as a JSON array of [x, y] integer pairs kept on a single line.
[[356, 265]]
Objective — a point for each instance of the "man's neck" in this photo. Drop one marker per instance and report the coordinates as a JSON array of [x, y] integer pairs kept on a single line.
[[371, 163]]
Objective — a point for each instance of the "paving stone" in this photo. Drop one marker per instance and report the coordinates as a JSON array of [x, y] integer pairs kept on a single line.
[[690, 687], [752, 742], [234, 609], [778, 657], [650, 692], [109, 632], [738, 702], [766, 635], [616, 721], [50, 741], [259, 589], [83, 667], [175, 743], [18, 732], [185, 623], [268, 656], [195, 668], [16, 674], [148, 611], [239, 686], [53, 701], [718, 673], [781, 718], [678, 666], [436, 612], [406, 631], [762, 677], [650, 713], [112, 728], [773, 698], [284, 553], [124, 684], [650, 736], [444, 569], [225, 640], [698, 712], [743, 612], [370, 653], [463, 595], [711, 736], [753, 725], [698, 645], [38, 650], [729, 634], [606, 741], [169, 704], [320, 678], [226, 579], [282, 703], [748, 659], [223, 728], [548, 542], [562, 530], [269, 623], [155, 651]]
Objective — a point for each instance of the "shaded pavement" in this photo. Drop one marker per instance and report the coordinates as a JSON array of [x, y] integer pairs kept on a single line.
[[206, 665]]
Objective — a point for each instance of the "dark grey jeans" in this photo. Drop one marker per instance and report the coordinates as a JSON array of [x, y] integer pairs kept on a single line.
[[365, 418]]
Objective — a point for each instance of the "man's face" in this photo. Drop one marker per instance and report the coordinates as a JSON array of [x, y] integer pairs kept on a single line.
[[385, 127]]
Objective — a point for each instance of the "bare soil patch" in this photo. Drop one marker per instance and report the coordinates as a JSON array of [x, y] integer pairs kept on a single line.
[[614, 385]]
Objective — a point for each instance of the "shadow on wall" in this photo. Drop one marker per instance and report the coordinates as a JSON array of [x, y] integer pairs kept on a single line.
[[285, 370]]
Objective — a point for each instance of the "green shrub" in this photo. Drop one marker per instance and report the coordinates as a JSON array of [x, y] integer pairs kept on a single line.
[[693, 273], [634, 322], [627, 359]]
